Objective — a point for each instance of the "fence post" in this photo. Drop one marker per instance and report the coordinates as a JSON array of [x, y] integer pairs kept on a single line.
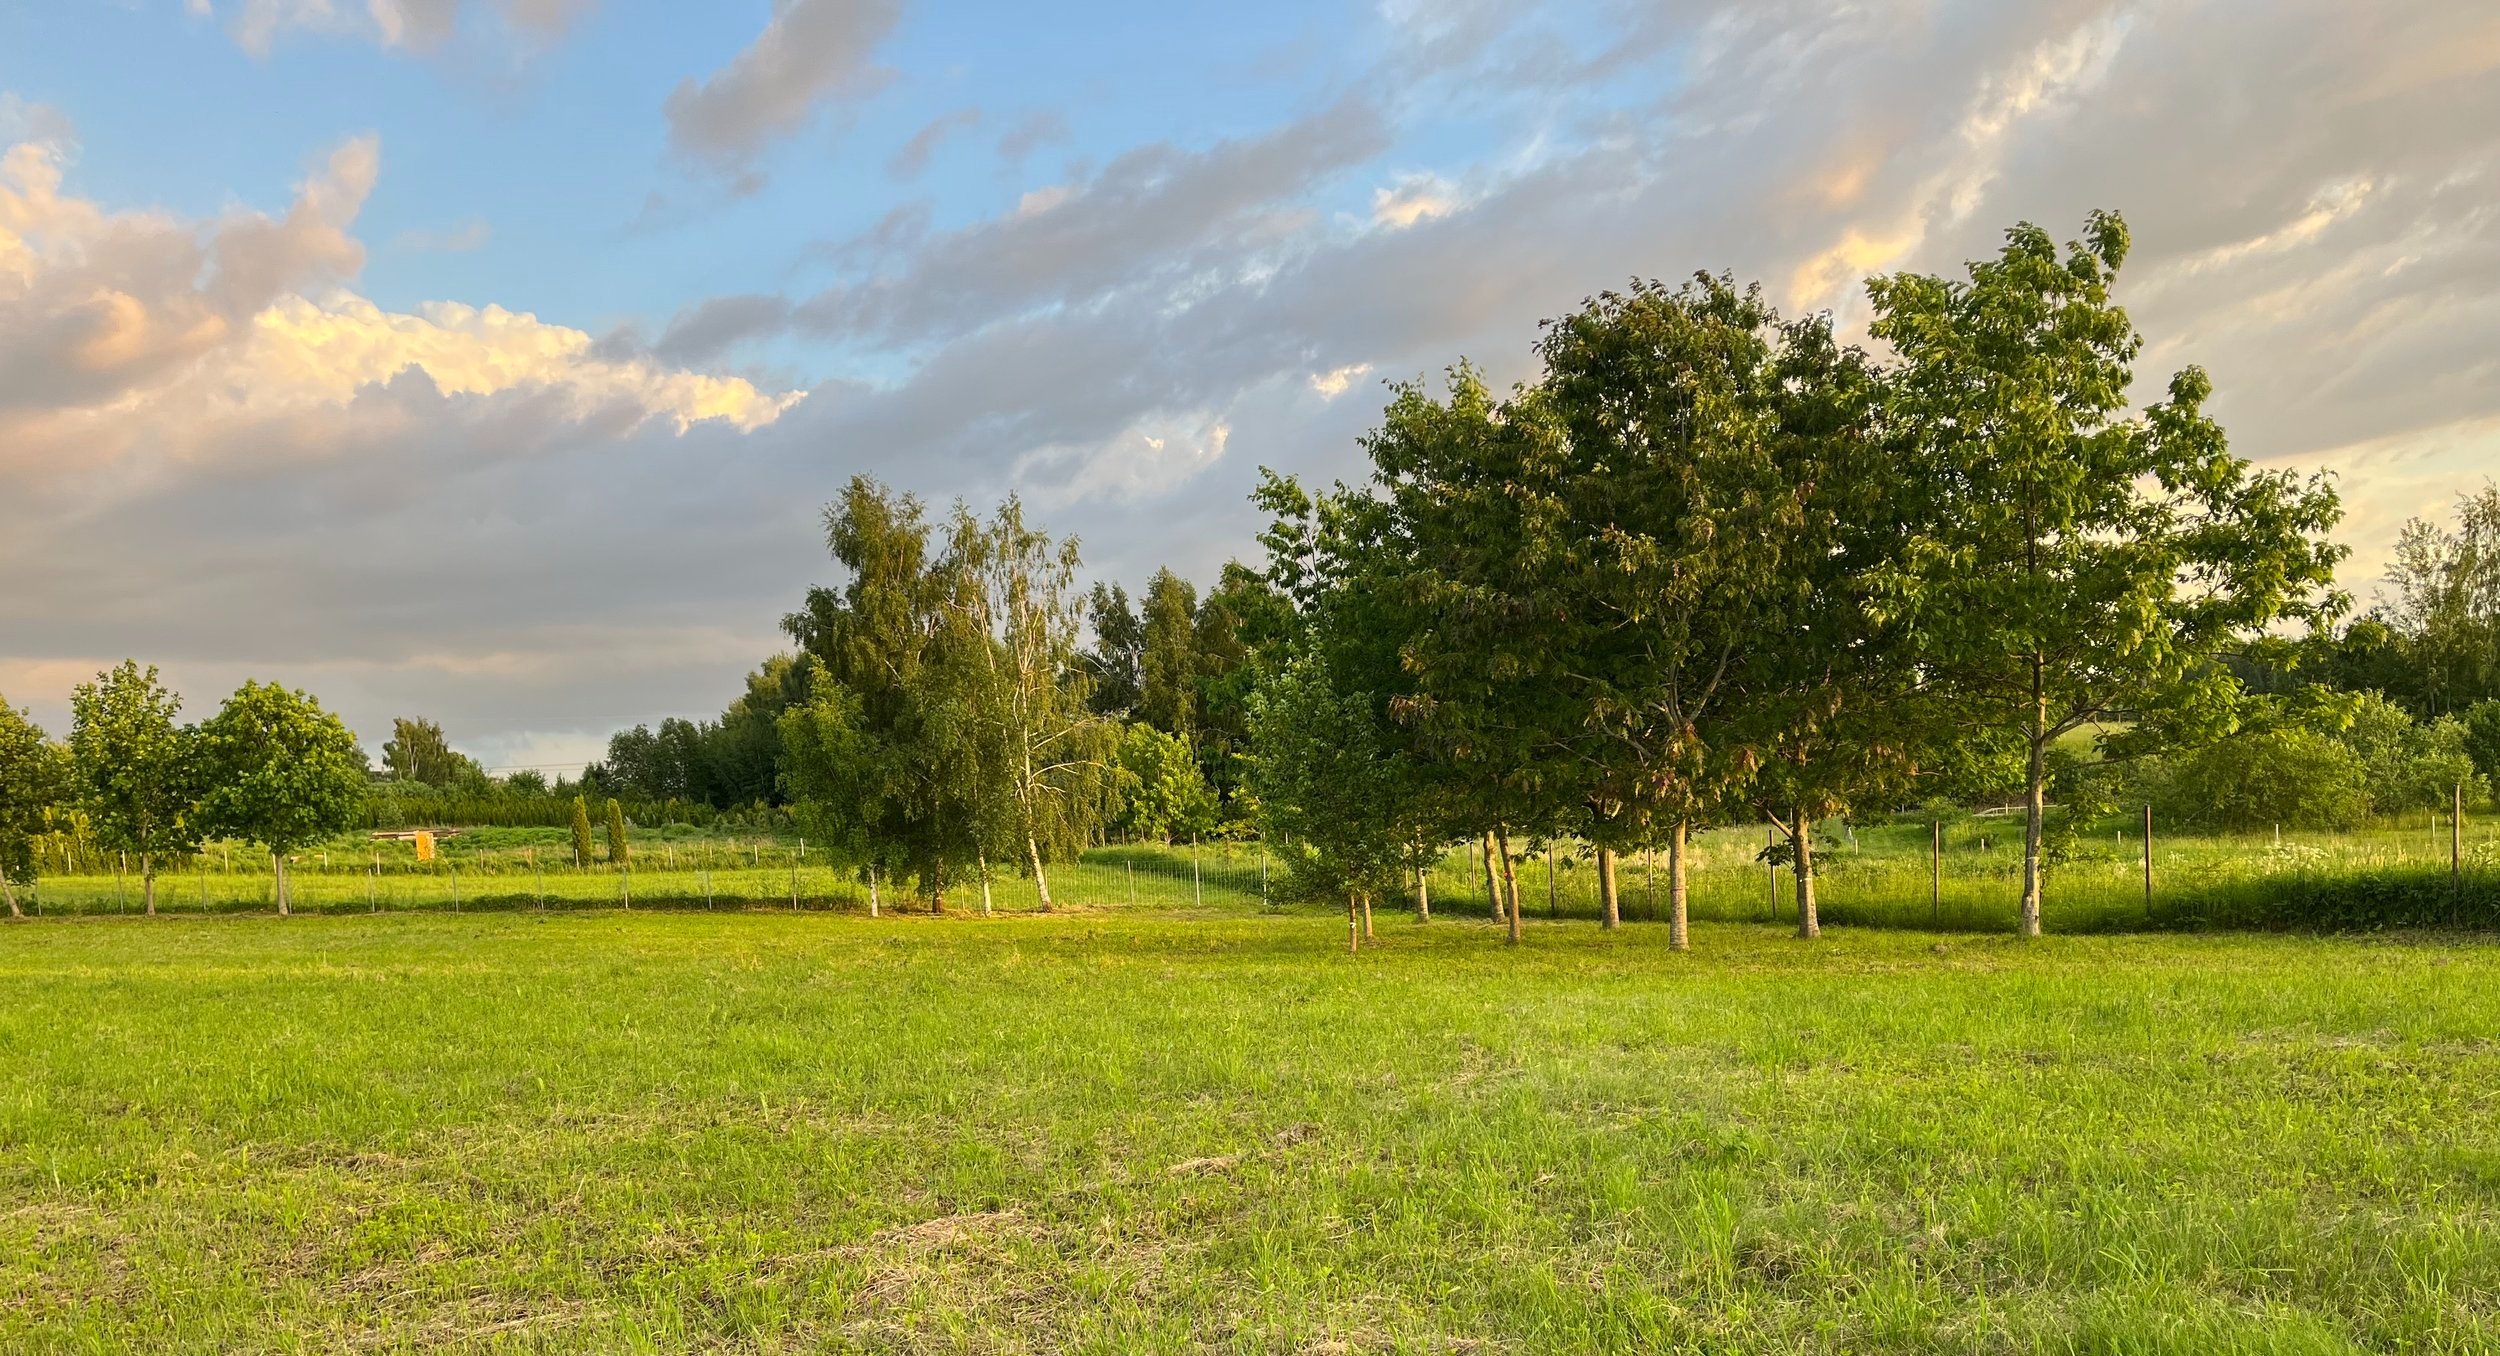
[[1132, 885], [538, 878], [2456, 834], [455, 883], [2148, 863], [1935, 871], [1767, 844], [1197, 887], [373, 882]]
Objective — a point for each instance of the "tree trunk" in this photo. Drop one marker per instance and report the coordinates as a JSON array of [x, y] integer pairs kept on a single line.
[[1423, 896], [147, 880], [1492, 882], [1510, 878], [1353, 928], [984, 861], [1041, 883], [14, 910], [1809, 923], [872, 892], [1367, 915], [277, 871], [1610, 907], [2035, 803], [1679, 932]]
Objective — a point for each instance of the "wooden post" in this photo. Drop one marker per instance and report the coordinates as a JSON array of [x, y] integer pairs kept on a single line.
[[1935, 871], [1553, 900], [2148, 863], [2456, 833], [1767, 842]]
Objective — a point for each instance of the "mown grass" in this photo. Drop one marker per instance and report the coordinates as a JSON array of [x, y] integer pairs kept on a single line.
[[600, 1131]]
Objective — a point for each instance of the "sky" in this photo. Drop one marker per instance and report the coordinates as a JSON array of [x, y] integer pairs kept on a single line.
[[493, 360]]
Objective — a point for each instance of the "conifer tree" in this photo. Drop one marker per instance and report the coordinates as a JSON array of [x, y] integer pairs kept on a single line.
[[581, 832], [617, 850]]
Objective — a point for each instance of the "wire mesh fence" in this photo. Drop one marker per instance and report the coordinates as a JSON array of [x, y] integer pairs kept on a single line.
[[747, 873], [1964, 875]]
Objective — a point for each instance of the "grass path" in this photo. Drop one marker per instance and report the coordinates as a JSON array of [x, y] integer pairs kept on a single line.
[[759, 1132]]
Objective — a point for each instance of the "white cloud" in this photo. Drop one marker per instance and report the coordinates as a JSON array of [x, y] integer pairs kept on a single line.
[[417, 25], [136, 341], [1413, 198], [1333, 382]]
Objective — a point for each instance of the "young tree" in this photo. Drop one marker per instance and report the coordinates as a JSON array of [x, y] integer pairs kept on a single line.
[[281, 772], [34, 778], [581, 831], [1163, 793], [1331, 794], [618, 852], [138, 773], [2071, 564]]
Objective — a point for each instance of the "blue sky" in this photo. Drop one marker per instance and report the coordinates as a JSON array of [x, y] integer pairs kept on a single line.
[[490, 359]]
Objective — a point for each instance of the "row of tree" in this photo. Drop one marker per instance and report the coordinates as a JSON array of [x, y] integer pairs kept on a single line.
[[271, 767], [1714, 564]]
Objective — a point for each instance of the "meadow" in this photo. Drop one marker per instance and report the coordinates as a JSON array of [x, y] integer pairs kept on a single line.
[[1170, 1128]]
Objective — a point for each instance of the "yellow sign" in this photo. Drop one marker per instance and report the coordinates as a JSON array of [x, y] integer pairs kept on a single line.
[[425, 846]]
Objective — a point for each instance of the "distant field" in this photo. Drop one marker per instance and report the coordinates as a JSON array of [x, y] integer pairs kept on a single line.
[[590, 1130], [1877, 875]]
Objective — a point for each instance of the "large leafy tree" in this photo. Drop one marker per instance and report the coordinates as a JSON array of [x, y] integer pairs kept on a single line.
[[281, 771], [1677, 526], [1477, 555], [1168, 665], [1829, 711], [884, 758], [34, 779], [2071, 563], [138, 773], [1118, 651], [418, 752], [1048, 770]]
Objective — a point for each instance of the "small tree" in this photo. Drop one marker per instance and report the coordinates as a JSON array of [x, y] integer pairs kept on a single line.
[[138, 773], [617, 850], [282, 772], [581, 831], [34, 777], [1165, 796], [1339, 807]]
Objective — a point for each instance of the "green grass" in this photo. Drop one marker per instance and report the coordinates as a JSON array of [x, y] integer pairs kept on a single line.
[[1141, 1130]]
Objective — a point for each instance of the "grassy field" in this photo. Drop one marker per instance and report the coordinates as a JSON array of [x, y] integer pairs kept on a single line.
[[590, 1130]]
